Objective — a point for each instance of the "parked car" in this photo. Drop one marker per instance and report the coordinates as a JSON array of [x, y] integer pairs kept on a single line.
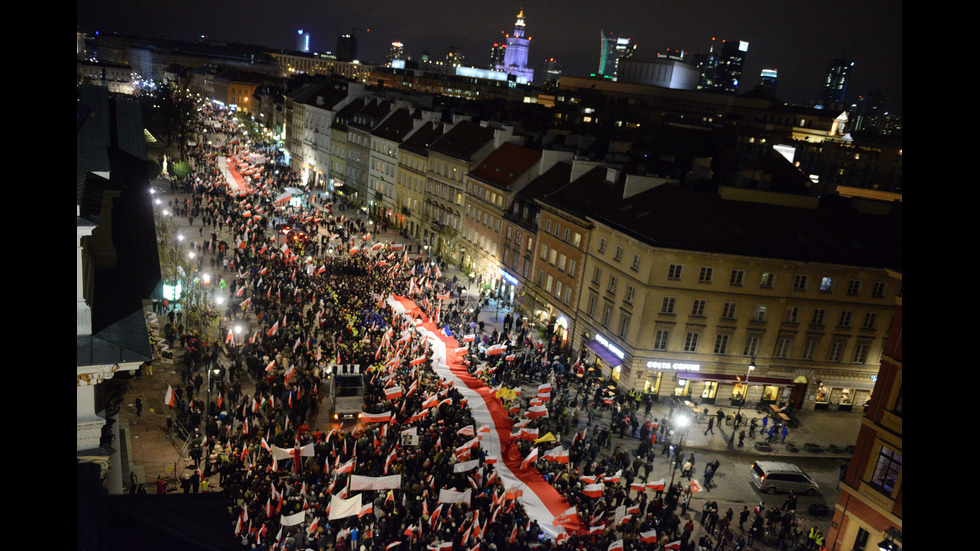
[[777, 476]]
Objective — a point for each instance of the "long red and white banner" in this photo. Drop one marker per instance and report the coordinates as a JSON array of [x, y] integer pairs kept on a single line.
[[230, 171], [541, 501]]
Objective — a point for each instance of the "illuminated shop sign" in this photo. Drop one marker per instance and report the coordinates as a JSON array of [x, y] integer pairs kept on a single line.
[[610, 346], [509, 278], [676, 366]]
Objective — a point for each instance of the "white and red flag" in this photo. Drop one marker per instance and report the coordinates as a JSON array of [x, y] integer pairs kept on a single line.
[[169, 398], [593, 490]]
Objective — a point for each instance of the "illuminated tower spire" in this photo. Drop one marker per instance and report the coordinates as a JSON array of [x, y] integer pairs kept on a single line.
[[515, 55]]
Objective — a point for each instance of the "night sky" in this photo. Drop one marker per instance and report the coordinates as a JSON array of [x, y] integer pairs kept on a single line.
[[797, 37]]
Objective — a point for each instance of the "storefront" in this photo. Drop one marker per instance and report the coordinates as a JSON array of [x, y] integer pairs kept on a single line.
[[609, 358], [840, 395], [507, 286], [686, 380]]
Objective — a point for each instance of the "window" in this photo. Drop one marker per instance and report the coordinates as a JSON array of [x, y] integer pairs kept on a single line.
[[668, 305], [606, 314], [767, 280], [721, 344], [674, 271], [751, 346], [544, 251], [591, 308], [697, 309], [728, 311], [853, 287], [759, 312], [845, 319], [552, 256], [624, 326], [619, 253], [571, 268], [861, 540], [810, 349], [596, 275], [860, 353], [547, 226], [576, 239], [602, 245], [629, 294], [826, 284], [737, 276], [540, 277], [635, 266], [612, 284], [705, 275], [818, 315], [887, 468], [792, 314], [836, 351], [783, 347], [547, 286], [869, 320], [564, 236], [799, 284], [558, 288], [561, 262], [691, 341], [660, 339], [878, 290]]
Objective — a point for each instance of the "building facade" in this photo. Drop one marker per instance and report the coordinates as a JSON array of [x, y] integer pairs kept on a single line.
[[869, 510], [516, 52]]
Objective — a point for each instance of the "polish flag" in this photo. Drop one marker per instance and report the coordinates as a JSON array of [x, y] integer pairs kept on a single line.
[[393, 392], [274, 329], [346, 467], [657, 485], [269, 367], [673, 545], [559, 455], [466, 431], [496, 350], [649, 537], [366, 510], [593, 490], [376, 417], [530, 459], [170, 399], [695, 487], [469, 338], [618, 544], [510, 357], [638, 486], [537, 411]]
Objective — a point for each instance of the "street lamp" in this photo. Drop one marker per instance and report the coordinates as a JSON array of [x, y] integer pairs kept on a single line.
[[745, 394], [681, 421]]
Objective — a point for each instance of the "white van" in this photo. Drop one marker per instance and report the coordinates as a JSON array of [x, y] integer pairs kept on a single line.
[[776, 476]]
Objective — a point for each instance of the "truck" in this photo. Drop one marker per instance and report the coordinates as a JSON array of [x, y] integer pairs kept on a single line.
[[346, 393]]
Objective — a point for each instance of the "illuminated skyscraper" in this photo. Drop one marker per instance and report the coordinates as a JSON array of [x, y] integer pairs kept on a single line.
[[455, 57], [515, 55], [497, 54], [613, 48], [346, 47], [767, 80], [303, 41], [835, 85], [397, 51], [721, 67]]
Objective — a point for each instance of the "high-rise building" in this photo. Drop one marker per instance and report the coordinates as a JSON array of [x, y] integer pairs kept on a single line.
[[497, 54], [397, 51], [455, 57], [721, 67], [346, 47], [302, 41], [835, 85], [613, 48], [767, 80], [515, 55], [552, 70]]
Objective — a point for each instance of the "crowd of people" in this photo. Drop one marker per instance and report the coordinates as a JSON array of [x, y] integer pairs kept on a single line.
[[311, 308]]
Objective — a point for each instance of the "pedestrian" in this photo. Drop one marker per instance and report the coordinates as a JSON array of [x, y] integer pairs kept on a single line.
[[161, 485], [784, 432], [742, 517], [139, 406], [790, 503], [711, 424]]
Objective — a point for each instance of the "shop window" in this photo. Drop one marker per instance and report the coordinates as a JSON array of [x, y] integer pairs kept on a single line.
[[823, 395], [861, 540], [710, 390], [846, 397], [770, 393], [739, 390]]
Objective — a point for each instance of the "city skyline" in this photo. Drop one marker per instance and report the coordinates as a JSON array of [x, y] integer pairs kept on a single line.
[[799, 39]]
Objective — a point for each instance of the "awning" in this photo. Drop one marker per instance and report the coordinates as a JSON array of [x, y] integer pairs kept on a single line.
[[777, 381], [604, 353]]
